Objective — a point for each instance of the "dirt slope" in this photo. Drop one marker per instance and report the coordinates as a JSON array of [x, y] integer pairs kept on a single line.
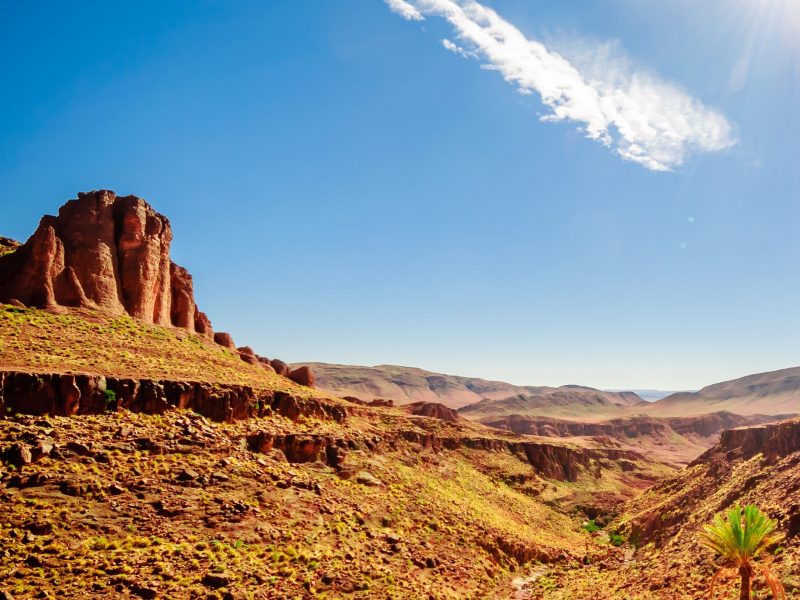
[[83, 341], [662, 557], [377, 504]]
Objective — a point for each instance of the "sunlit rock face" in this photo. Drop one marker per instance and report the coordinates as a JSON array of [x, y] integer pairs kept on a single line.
[[104, 252]]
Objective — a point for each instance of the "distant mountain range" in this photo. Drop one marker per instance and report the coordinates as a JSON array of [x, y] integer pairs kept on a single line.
[[772, 393], [650, 395]]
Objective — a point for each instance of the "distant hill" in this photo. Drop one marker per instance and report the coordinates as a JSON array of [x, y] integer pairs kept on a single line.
[[567, 401], [406, 385], [772, 393]]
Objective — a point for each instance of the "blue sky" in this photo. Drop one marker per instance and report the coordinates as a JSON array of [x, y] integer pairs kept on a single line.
[[346, 189]]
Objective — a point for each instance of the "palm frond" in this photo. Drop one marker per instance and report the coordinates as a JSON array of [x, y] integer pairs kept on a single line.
[[720, 572], [739, 536], [775, 585]]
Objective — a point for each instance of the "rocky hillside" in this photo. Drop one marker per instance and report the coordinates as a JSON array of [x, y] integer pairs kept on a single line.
[[405, 385], [143, 455], [303, 499], [772, 393], [662, 557]]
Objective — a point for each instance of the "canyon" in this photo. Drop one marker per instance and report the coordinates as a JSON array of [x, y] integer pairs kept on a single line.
[[144, 455]]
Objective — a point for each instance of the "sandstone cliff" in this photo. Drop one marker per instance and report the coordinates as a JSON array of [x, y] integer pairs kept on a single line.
[[110, 254], [104, 252]]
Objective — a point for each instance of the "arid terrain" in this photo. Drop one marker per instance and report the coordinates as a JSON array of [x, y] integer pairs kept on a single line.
[[144, 455]]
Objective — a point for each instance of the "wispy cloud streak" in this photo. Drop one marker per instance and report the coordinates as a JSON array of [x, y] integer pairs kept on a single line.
[[632, 111], [404, 9]]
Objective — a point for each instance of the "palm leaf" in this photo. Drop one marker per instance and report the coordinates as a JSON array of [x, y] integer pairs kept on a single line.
[[739, 536]]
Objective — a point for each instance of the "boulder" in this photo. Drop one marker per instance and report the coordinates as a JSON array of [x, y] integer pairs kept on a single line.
[[248, 358], [247, 355], [303, 376], [354, 400], [385, 402], [368, 479], [202, 324], [281, 368], [224, 339], [433, 410], [17, 455]]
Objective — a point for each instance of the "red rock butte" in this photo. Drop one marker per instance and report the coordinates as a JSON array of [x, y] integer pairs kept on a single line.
[[111, 253], [104, 252]]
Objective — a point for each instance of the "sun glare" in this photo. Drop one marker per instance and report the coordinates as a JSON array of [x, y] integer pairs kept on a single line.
[[771, 17]]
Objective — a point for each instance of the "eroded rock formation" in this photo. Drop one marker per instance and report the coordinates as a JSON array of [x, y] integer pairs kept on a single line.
[[302, 376], [65, 395], [104, 252], [434, 410], [774, 442], [112, 253]]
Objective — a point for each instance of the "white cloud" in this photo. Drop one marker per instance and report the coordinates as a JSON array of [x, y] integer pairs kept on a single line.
[[631, 110], [455, 48], [404, 9]]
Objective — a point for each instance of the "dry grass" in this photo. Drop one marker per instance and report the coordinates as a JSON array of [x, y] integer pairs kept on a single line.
[[437, 527], [87, 342]]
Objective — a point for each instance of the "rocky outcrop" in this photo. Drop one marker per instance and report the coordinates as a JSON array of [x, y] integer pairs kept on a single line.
[[549, 427], [65, 395], [774, 442], [712, 424], [706, 426], [104, 252], [7, 245], [433, 410], [264, 362], [112, 254], [552, 461], [224, 339], [247, 355], [298, 448], [302, 376], [281, 368]]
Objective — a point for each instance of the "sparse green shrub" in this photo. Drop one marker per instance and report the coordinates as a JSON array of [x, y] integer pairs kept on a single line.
[[591, 526], [616, 539], [111, 399]]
